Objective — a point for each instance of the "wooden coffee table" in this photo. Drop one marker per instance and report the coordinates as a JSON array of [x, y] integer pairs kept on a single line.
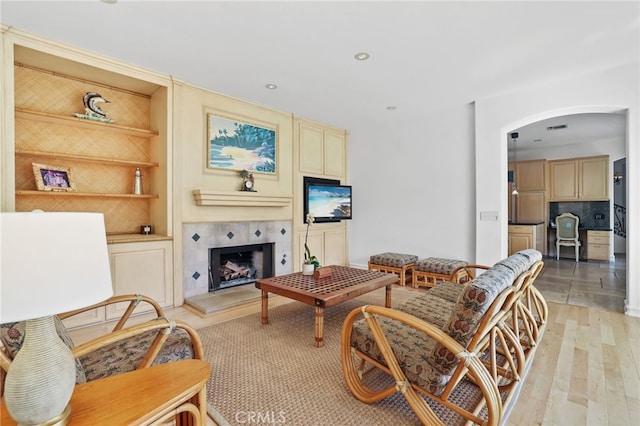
[[343, 284]]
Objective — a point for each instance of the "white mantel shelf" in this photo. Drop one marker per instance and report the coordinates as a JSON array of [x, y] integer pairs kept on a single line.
[[206, 197]]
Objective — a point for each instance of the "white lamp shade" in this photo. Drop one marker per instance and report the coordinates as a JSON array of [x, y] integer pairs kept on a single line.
[[51, 263]]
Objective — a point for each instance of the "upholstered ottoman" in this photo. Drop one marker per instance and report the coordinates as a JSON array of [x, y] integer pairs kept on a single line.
[[396, 263], [427, 271]]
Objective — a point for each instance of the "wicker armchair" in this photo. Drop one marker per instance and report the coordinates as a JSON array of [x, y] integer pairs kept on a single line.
[[457, 353], [125, 348]]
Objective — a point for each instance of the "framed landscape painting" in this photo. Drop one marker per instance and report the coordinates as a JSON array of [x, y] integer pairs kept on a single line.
[[236, 145]]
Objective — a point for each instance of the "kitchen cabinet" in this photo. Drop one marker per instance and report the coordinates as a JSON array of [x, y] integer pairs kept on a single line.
[[526, 236], [585, 179], [530, 175], [531, 207], [598, 245]]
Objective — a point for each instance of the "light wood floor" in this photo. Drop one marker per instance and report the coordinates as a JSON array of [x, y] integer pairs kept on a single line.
[[587, 368]]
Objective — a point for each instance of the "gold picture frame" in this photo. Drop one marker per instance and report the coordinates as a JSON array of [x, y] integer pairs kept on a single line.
[[53, 178]]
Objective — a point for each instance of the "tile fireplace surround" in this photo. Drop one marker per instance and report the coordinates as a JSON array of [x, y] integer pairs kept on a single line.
[[198, 238]]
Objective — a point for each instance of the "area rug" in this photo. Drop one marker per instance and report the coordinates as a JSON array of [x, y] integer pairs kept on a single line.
[[274, 374]]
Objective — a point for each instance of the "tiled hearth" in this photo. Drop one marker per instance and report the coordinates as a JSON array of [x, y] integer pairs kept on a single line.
[[198, 238]]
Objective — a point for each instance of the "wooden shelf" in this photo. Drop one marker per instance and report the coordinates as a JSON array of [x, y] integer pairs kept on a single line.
[[82, 194], [86, 158], [206, 197], [135, 238], [79, 122]]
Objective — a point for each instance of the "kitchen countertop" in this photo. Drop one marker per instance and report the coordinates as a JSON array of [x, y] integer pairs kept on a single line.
[[526, 223]]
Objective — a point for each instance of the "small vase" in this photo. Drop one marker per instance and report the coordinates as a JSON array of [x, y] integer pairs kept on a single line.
[[307, 269]]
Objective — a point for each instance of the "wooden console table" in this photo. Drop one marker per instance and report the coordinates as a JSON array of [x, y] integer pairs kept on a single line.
[[141, 397], [344, 284]]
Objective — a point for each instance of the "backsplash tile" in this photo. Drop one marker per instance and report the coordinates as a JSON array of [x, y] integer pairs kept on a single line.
[[585, 210]]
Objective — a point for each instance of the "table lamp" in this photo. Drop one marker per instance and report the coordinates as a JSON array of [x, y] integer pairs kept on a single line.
[[49, 263]]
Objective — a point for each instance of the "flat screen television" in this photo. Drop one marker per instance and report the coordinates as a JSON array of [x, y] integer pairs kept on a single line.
[[326, 200]]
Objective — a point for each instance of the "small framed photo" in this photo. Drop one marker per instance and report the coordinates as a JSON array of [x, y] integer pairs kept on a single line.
[[53, 178]]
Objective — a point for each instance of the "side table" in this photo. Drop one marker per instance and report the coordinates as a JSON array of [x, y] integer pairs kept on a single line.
[[141, 397]]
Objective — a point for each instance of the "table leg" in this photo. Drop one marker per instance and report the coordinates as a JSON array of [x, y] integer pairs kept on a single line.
[[265, 307], [319, 325], [387, 296]]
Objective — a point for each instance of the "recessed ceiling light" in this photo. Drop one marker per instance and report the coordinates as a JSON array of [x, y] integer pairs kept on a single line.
[[362, 56], [109, 1], [391, 108], [271, 86]]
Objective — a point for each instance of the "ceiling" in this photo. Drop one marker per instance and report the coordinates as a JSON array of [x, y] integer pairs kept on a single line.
[[424, 56]]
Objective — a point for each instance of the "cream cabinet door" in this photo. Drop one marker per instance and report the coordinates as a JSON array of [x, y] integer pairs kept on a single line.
[[564, 180], [335, 248], [334, 154], [86, 318], [328, 245], [141, 268], [594, 181], [519, 242], [531, 206], [530, 175], [315, 241], [311, 148]]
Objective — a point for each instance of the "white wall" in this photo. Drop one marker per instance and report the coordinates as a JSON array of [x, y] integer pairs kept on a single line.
[[413, 186], [606, 91]]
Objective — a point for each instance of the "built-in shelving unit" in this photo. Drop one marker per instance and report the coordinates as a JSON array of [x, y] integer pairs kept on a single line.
[[47, 82], [102, 157]]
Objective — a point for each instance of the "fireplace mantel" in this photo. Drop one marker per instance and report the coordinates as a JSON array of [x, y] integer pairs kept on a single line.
[[207, 197]]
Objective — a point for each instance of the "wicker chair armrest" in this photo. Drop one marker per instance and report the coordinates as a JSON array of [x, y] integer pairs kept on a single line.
[[469, 268], [163, 325], [133, 299], [5, 360], [471, 362]]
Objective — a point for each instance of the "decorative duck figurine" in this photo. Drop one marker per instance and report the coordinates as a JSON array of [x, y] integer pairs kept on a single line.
[[92, 109]]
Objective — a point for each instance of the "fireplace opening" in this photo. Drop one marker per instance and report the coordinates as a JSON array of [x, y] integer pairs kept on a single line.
[[239, 265]]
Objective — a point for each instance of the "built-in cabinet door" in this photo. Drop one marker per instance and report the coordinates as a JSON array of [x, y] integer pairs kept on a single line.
[[141, 268], [598, 245], [519, 242], [322, 150], [335, 248], [329, 245], [594, 182], [531, 206], [315, 242], [311, 148], [585, 179], [86, 318], [530, 175], [564, 180], [334, 154]]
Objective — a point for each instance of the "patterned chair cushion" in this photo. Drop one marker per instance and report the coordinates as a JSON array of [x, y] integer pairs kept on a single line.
[[410, 348], [396, 260], [434, 310], [126, 355], [12, 337], [438, 266], [447, 290], [471, 306]]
